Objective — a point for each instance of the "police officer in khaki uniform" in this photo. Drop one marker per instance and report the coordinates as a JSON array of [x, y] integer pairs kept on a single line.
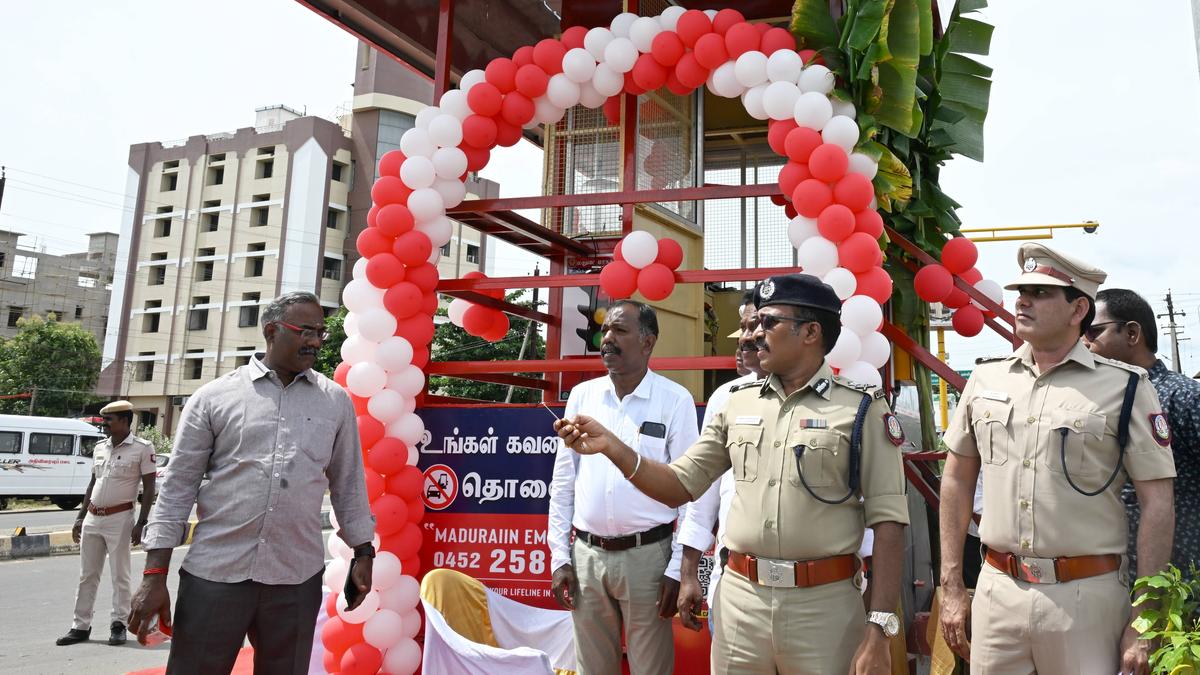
[[1044, 422], [105, 524], [789, 599]]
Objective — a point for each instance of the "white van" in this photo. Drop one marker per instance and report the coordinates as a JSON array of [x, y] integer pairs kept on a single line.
[[46, 457]]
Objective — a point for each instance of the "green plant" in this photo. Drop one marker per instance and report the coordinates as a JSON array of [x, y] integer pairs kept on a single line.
[[162, 443], [1171, 618]]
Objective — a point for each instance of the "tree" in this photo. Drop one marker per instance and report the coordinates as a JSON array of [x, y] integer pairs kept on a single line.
[[331, 350], [451, 343], [56, 363]]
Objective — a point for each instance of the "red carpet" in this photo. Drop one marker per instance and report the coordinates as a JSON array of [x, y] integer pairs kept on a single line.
[[243, 666]]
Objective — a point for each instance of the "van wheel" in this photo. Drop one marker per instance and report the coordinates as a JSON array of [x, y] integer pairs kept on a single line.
[[66, 503]]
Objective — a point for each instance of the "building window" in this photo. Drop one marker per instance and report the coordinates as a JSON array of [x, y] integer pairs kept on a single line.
[[333, 219], [2, 256], [339, 172], [147, 418], [85, 281], [446, 249], [162, 227], [14, 315], [150, 320], [158, 275], [266, 151], [145, 368], [204, 271], [264, 168], [332, 269], [193, 368], [259, 214], [215, 175], [25, 266], [239, 361], [78, 311], [254, 266], [169, 182], [472, 254], [212, 220], [248, 314], [198, 317], [217, 158]]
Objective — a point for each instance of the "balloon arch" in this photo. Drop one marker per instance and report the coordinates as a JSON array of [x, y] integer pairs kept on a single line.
[[826, 190]]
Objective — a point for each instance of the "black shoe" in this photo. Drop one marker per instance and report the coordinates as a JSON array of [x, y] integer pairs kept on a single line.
[[117, 636], [73, 636]]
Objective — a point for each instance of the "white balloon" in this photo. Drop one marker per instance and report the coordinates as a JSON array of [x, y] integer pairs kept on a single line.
[[359, 295], [752, 100], [642, 32], [350, 324], [416, 143], [365, 379], [812, 110], [417, 172], [359, 271], [862, 373], [710, 13], [817, 256], [426, 115], [578, 65], [724, 81], [356, 349], [876, 350], [670, 17], [470, 79], [439, 231], [640, 248], [862, 164], [385, 571], [403, 596], [359, 614], [840, 131], [845, 351], [410, 405], [779, 100], [413, 455], [394, 353], [607, 81], [545, 112], [991, 289], [452, 191], [455, 103], [426, 204], [589, 97], [816, 77], [446, 130], [842, 281], [562, 91], [621, 24], [387, 406], [801, 229], [412, 623], [408, 382], [403, 658], [434, 256], [449, 163], [784, 65], [751, 69], [376, 324], [408, 428], [620, 55], [862, 315], [333, 521], [843, 108], [596, 40], [335, 573], [385, 628], [338, 548]]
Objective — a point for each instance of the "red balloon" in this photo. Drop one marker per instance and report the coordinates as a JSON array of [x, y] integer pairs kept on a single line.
[[484, 98], [741, 38], [791, 175], [835, 223], [710, 51], [572, 38], [388, 456], [933, 283], [425, 276], [875, 283], [372, 214], [523, 56], [632, 87], [957, 298], [499, 328], [337, 635], [670, 253], [531, 81], [339, 373], [548, 55], [972, 276], [790, 211], [828, 162], [413, 248], [689, 71], [384, 270], [389, 164], [361, 659], [779, 200], [811, 197], [370, 430], [406, 482], [667, 48], [403, 300], [416, 513], [409, 540], [617, 255], [477, 158], [393, 220], [516, 109], [959, 255], [867, 222], [879, 258], [417, 329], [371, 242], [479, 131], [501, 73], [854, 191], [775, 39], [507, 134], [429, 305], [800, 143], [391, 514], [648, 73], [332, 661], [857, 252], [777, 133], [810, 56], [655, 281], [691, 26], [967, 321], [411, 566], [374, 484], [612, 110], [330, 608], [421, 354], [360, 405], [726, 19], [674, 85], [618, 279], [477, 319], [389, 190]]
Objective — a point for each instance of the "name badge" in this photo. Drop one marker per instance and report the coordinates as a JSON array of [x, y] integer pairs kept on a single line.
[[748, 419], [994, 396]]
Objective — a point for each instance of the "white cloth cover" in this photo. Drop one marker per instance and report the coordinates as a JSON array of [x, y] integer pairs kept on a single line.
[[449, 652]]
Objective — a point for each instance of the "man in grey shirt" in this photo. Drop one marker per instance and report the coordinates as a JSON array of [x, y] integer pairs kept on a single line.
[[273, 435]]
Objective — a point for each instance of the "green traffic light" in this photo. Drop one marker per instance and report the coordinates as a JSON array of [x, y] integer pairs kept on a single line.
[[596, 340]]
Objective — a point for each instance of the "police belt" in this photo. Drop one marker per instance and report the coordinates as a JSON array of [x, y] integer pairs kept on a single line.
[[1052, 570], [657, 533], [794, 573], [108, 510]]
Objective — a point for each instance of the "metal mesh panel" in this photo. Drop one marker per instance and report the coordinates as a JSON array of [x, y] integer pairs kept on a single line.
[[748, 232], [666, 147], [584, 158]]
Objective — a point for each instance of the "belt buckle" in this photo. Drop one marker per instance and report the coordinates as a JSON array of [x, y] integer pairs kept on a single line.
[[779, 573], [1036, 570]]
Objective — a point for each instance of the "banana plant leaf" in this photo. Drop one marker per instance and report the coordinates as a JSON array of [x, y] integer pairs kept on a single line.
[[814, 25]]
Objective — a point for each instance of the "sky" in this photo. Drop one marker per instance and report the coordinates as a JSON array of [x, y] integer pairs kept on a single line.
[[1093, 117]]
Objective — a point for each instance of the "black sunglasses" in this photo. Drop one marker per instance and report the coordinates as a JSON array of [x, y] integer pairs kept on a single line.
[[1095, 330], [769, 321]]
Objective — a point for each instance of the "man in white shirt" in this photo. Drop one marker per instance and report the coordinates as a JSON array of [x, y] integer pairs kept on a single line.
[[621, 574]]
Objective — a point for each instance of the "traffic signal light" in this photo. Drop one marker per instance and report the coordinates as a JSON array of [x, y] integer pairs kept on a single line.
[[594, 315]]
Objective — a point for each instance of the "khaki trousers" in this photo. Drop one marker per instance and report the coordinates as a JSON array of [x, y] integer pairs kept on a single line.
[[801, 631], [104, 536], [1019, 628], [619, 589]]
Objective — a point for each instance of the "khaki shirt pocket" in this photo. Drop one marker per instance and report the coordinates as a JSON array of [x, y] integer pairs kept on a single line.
[[743, 443], [125, 467], [823, 462], [317, 441], [990, 421], [1079, 435]]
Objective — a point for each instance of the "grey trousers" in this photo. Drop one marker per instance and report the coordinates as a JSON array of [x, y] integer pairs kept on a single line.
[[212, 619]]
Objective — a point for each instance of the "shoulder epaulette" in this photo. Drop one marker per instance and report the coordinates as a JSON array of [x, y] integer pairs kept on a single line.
[[874, 392], [1121, 364], [747, 385], [989, 359]]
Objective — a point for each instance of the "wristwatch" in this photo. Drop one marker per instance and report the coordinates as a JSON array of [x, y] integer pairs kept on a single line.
[[888, 621], [364, 551]]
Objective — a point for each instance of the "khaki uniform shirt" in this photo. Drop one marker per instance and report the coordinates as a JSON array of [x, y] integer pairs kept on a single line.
[[772, 515], [119, 470], [1012, 418]]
